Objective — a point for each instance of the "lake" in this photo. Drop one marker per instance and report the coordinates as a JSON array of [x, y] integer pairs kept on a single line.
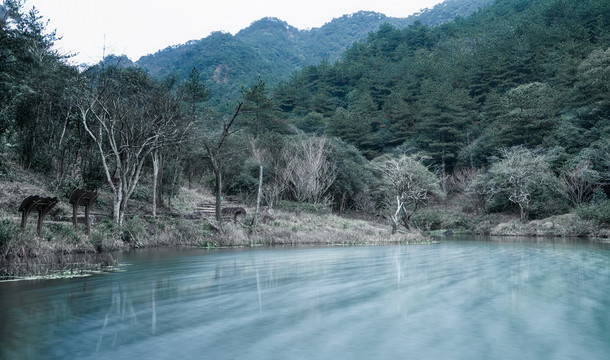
[[470, 299]]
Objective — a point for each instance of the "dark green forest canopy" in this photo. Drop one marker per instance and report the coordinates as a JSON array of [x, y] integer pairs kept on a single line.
[[530, 73]]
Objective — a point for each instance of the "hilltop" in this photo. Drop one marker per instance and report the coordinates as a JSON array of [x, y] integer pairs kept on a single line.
[[271, 49]]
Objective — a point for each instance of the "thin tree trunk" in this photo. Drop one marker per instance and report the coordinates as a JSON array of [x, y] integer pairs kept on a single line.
[[258, 198], [155, 161], [116, 210], [218, 204], [342, 205]]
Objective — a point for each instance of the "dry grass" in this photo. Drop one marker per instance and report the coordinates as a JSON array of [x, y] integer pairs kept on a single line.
[[567, 225], [26, 254], [285, 228], [68, 252]]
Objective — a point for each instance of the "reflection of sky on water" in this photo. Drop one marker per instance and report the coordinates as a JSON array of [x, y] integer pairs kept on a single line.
[[457, 299]]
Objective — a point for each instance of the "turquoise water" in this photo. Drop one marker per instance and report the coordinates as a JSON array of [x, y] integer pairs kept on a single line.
[[460, 299]]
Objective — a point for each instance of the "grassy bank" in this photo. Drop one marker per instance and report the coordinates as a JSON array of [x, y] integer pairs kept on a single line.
[[576, 224], [65, 251]]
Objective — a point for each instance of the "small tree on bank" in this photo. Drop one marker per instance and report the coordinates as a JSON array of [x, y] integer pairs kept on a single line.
[[519, 175], [406, 185], [213, 145], [310, 173]]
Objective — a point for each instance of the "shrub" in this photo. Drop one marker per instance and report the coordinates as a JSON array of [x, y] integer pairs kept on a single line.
[[291, 206], [597, 212], [65, 232], [142, 193], [548, 201], [134, 230], [8, 231], [5, 171], [437, 220], [66, 185]]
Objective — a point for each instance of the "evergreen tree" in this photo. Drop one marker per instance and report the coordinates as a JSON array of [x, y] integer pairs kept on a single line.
[[445, 114]]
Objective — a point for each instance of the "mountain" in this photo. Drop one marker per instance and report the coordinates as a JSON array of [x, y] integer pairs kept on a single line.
[[271, 49], [530, 73]]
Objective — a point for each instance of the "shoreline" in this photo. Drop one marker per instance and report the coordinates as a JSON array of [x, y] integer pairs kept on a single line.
[[71, 254]]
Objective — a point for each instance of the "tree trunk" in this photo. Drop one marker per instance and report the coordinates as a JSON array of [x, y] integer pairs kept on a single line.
[[123, 207], [116, 209], [258, 198], [342, 205], [218, 176], [394, 227], [155, 161], [523, 213]]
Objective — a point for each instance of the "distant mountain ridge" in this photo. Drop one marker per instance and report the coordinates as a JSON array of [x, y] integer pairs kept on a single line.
[[271, 49]]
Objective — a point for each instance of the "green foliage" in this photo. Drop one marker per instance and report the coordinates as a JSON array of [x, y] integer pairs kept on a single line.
[[65, 186], [5, 170], [353, 175], [272, 50], [293, 206], [405, 185], [65, 232], [93, 173], [463, 90], [8, 231], [524, 178], [36, 93], [440, 220], [134, 231], [258, 111], [312, 123], [597, 212], [529, 116], [142, 193]]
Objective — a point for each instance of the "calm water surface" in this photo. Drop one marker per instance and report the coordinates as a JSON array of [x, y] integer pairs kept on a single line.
[[460, 299]]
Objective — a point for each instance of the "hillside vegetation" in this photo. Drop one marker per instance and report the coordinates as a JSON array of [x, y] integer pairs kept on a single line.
[[271, 49]]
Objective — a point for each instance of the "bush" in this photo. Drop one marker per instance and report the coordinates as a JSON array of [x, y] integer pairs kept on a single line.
[[142, 193], [8, 231], [291, 206], [66, 232], [134, 231], [66, 185], [597, 212], [548, 201], [439, 220], [5, 171]]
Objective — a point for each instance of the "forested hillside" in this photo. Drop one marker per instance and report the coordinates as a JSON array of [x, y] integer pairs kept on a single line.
[[531, 73], [272, 49], [505, 111]]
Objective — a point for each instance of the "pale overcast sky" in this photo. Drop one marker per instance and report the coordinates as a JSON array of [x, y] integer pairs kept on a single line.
[[138, 27]]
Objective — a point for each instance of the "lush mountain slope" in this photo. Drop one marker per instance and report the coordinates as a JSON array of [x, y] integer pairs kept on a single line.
[[531, 73], [272, 49]]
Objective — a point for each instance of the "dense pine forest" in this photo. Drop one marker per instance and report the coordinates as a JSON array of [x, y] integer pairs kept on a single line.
[[502, 112]]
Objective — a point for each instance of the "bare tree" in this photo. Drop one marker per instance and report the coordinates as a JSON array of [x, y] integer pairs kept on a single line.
[[465, 181], [580, 181], [518, 175], [310, 173], [273, 156], [128, 115], [407, 185], [213, 145]]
